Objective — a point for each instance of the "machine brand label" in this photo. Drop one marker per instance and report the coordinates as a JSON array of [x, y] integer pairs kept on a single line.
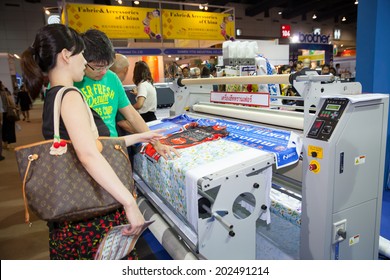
[[313, 38]]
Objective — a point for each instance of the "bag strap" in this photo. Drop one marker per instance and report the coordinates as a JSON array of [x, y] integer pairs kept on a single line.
[[57, 112]]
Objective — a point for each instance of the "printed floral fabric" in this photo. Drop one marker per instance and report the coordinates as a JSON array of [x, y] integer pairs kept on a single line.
[[285, 212], [168, 177], [80, 240]]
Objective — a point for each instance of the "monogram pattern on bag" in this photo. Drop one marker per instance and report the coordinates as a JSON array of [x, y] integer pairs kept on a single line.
[[58, 188]]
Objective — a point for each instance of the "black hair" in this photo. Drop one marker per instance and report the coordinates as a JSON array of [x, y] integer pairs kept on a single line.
[[98, 48], [205, 72], [142, 73], [41, 57], [284, 68]]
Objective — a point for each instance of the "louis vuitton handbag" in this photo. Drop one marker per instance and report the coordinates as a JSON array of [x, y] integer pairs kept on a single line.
[[56, 187]]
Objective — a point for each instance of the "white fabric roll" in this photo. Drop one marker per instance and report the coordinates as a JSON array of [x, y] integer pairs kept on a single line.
[[263, 79], [267, 116]]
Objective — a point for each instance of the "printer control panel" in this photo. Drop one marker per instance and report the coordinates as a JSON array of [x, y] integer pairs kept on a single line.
[[327, 118]]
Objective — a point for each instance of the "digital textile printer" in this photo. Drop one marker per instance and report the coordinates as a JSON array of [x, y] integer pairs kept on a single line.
[[209, 208]]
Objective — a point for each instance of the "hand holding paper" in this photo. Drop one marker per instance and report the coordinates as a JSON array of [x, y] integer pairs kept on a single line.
[[117, 244]]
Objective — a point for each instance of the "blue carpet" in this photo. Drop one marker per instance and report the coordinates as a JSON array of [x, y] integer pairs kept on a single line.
[[149, 248], [385, 220]]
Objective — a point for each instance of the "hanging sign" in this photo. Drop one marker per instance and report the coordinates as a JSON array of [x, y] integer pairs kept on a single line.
[[116, 21], [193, 25], [144, 23], [285, 30]]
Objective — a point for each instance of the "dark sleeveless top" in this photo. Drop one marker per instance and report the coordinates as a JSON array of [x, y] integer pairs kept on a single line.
[[48, 122]]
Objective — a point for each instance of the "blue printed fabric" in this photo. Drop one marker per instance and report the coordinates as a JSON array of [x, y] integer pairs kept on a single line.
[[263, 138]]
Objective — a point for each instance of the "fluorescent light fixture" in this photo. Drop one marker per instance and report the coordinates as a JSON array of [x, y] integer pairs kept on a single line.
[[337, 34]]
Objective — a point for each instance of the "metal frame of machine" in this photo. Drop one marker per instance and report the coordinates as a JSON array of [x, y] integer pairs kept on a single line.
[[324, 231]]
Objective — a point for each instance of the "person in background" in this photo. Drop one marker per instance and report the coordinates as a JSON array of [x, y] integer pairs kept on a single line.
[[298, 66], [120, 66], [213, 72], [333, 71], [325, 69], [104, 92], [337, 69], [23, 100], [186, 73], [1, 124], [146, 95], [8, 125], [205, 73], [58, 51], [195, 72]]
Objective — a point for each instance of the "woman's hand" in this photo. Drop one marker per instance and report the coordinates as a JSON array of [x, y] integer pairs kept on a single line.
[[135, 219], [167, 152], [134, 91], [150, 136]]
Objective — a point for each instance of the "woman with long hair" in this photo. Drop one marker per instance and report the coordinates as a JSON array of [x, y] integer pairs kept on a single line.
[[57, 52], [146, 94]]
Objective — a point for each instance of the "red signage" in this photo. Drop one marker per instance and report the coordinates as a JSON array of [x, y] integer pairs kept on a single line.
[[285, 30]]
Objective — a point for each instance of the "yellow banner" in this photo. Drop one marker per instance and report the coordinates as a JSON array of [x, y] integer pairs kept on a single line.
[[197, 25], [314, 57], [117, 22], [143, 23]]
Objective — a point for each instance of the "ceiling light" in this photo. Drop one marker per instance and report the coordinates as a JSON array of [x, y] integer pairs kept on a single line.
[[356, 2], [314, 16], [280, 12], [47, 12], [136, 2], [120, 2], [203, 6], [343, 19]]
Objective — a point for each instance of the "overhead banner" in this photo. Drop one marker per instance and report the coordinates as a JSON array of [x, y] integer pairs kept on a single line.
[[144, 23], [117, 22], [197, 25]]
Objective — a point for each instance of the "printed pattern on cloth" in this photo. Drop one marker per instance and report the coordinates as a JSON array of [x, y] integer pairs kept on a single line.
[[168, 177], [80, 240]]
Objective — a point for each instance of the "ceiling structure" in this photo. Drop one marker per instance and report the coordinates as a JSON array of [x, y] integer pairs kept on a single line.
[[324, 9], [291, 9]]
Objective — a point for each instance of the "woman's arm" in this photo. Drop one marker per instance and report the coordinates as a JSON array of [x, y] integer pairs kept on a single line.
[[151, 136], [140, 102], [76, 120]]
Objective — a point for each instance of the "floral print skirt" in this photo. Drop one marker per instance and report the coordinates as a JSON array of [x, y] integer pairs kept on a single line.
[[80, 240]]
